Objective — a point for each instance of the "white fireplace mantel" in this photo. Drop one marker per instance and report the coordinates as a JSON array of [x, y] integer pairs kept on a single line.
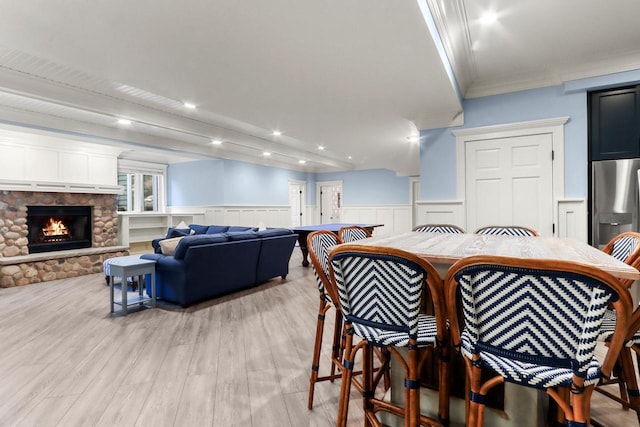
[[58, 187]]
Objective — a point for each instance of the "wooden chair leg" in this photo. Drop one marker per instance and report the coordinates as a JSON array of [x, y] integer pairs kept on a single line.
[[444, 385], [317, 347], [345, 382], [630, 380], [368, 390], [336, 351]]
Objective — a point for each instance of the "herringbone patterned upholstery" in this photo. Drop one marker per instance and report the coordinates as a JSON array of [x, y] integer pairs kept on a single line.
[[438, 228], [320, 244], [379, 294], [352, 233], [511, 230], [625, 247], [534, 324], [381, 291]]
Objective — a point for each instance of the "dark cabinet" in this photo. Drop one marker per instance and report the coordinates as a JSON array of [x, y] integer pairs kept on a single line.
[[614, 123]]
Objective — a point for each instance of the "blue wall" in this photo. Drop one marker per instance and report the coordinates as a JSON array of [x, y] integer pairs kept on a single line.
[[230, 182], [195, 183], [438, 146], [370, 187]]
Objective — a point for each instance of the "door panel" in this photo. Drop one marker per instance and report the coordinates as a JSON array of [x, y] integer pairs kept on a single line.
[[296, 192], [509, 182], [330, 201]]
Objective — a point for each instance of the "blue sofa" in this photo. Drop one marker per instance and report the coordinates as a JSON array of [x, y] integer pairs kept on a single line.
[[206, 265]]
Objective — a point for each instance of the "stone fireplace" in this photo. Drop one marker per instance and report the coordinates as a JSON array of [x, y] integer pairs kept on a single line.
[[52, 235]]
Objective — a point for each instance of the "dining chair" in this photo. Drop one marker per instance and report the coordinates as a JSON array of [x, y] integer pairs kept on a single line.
[[351, 233], [626, 248], [534, 323], [381, 291], [438, 228], [507, 230], [319, 243]]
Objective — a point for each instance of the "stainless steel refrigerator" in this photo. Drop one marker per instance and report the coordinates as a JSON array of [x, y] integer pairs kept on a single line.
[[614, 199]]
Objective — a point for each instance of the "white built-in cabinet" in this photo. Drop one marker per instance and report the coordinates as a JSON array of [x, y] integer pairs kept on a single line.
[[45, 162]]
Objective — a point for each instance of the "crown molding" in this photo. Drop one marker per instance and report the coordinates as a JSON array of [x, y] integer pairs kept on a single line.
[[451, 21]]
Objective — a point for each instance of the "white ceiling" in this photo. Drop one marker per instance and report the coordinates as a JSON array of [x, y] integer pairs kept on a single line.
[[357, 77]]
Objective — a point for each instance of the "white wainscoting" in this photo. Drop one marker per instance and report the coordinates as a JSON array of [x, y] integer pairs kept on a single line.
[[440, 212], [571, 215], [572, 219], [396, 218], [250, 216]]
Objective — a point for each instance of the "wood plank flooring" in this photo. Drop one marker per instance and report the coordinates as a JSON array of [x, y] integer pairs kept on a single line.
[[240, 360]]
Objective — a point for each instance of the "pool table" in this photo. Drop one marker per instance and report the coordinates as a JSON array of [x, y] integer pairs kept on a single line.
[[304, 231]]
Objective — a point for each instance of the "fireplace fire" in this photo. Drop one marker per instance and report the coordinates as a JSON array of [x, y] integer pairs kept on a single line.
[[55, 231], [54, 228]]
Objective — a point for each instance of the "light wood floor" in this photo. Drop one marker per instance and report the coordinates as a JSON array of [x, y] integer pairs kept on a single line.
[[240, 360]]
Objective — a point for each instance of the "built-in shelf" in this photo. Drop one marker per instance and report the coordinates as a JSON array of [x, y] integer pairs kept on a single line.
[[138, 227]]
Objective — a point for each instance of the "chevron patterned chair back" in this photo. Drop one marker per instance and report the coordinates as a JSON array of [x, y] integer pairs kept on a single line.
[[507, 230], [319, 243], [534, 323], [351, 233], [438, 228], [381, 291], [624, 247]]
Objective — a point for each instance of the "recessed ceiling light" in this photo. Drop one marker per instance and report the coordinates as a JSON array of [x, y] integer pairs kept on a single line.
[[413, 138], [216, 142], [350, 157], [302, 162], [189, 105], [488, 18], [276, 133], [266, 154], [124, 121], [320, 147]]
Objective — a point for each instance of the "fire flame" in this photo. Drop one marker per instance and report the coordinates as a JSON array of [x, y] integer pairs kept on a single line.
[[55, 228]]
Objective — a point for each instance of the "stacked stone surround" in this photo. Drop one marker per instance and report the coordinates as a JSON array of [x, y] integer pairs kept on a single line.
[[18, 267]]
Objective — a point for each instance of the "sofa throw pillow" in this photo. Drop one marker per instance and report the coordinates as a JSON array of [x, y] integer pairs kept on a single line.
[[234, 228], [168, 246], [199, 229], [178, 232], [215, 229]]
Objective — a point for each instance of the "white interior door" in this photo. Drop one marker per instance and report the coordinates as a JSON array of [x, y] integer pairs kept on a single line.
[[509, 181], [330, 202], [296, 202]]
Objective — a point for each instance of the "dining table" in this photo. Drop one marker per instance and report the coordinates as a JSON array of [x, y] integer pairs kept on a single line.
[[443, 250]]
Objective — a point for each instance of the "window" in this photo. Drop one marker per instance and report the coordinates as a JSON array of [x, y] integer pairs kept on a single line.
[[144, 187]]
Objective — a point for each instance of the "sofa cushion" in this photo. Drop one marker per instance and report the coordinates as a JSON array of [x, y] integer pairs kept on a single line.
[[168, 246], [242, 235], [199, 229], [215, 229], [177, 232], [197, 240], [235, 228], [270, 232]]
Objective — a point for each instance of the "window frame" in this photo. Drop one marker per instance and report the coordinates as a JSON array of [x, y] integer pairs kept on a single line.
[[134, 187]]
